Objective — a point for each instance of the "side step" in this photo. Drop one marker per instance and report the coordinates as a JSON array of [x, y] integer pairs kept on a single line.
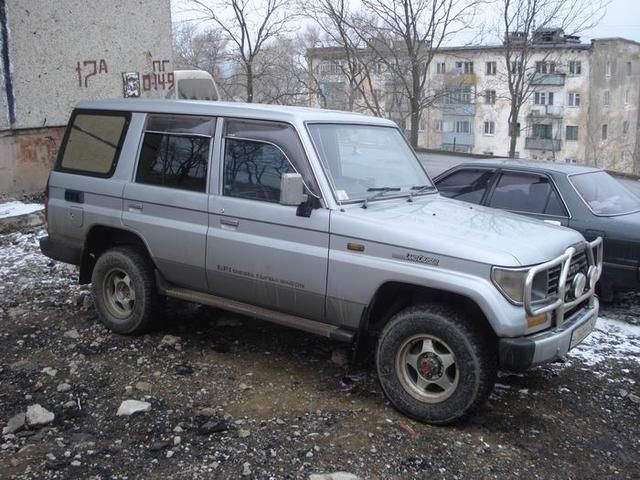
[[323, 329]]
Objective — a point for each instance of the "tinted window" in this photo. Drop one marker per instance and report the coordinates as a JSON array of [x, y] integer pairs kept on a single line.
[[253, 169], [467, 185], [526, 193], [604, 194], [93, 142]]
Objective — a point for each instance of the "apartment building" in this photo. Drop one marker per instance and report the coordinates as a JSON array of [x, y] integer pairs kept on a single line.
[[581, 103]]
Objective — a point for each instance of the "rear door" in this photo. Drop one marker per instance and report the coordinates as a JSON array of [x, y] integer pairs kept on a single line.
[[259, 251], [166, 203]]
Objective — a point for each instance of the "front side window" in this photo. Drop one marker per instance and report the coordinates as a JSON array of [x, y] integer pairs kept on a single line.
[[467, 185], [527, 193], [365, 160], [257, 154], [175, 152], [93, 142], [603, 194]]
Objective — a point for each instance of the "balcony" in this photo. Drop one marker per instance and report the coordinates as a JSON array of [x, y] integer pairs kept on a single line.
[[536, 143], [556, 111], [548, 79]]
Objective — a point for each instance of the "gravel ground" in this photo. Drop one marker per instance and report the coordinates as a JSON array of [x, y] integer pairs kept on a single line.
[[231, 397]]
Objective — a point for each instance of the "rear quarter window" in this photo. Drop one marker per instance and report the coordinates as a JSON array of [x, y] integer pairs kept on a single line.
[[92, 142]]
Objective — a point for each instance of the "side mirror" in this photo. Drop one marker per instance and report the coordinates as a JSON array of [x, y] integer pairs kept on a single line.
[[292, 189]]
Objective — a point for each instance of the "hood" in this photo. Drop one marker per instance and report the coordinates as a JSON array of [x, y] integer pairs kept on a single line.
[[446, 227]]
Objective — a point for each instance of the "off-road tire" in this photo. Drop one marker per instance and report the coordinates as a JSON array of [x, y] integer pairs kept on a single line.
[[474, 351], [130, 262]]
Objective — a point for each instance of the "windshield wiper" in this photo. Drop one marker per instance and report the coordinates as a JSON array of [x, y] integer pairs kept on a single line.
[[418, 189], [379, 192]]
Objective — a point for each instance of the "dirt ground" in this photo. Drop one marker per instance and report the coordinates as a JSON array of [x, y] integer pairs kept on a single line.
[[233, 397]]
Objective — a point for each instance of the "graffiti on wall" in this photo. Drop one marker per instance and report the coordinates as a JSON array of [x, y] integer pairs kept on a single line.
[[90, 68], [160, 78]]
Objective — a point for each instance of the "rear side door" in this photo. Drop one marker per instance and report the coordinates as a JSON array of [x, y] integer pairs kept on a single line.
[[532, 194], [166, 201], [259, 251], [466, 184]]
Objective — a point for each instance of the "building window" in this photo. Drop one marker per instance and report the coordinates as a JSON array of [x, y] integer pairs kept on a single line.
[[330, 68], [490, 97], [604, 131], [542, 131], [489, 127], [574, 99], [491, 68], [458, 95], [575, 67], [625, 127], [627, 96], [628, 68], [572, 132], [605, 98], [437, 125], [516, 67], [607, 69], [545, 67], [543, 98], [464, 67], [463, 126], [441, 67]]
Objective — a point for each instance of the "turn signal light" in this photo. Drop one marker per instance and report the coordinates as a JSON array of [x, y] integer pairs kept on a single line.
[[537, 320]]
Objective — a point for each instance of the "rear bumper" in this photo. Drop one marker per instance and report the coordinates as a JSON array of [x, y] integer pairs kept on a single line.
[[526, 352], [60, 250]]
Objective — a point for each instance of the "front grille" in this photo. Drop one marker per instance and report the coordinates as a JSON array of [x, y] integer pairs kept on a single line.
[[579, 263]]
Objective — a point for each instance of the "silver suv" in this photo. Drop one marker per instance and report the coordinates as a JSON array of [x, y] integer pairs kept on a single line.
[[321, 221]]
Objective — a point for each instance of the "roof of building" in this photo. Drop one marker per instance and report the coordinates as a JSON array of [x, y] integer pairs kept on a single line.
[[532, 165], [233, 109]]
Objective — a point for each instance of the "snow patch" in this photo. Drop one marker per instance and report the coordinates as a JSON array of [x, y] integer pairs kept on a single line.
[[15, 209], [611, 339]]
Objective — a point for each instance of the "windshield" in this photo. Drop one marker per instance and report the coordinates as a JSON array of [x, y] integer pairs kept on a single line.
[[361, 159], [604, 195]]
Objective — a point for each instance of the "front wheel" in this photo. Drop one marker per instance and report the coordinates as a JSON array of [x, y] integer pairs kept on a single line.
[[434, 365]]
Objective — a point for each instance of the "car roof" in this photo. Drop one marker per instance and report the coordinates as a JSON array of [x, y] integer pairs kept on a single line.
[[531, 165], [233, 109]]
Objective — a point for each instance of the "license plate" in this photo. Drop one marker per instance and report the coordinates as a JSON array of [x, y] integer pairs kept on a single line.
[[580, 333]]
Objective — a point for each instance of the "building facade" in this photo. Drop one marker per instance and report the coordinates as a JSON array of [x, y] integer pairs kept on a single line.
[[54, 54], [581, 103]]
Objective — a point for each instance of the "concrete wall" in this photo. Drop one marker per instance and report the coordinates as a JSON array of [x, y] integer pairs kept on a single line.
[[64, 51]]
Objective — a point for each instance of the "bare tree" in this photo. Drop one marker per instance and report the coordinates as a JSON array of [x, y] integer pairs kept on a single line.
[[404, 35], [522, 21], [249, 26]]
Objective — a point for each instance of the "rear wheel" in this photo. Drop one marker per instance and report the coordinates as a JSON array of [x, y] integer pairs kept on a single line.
[[434, 365], [124, 290]]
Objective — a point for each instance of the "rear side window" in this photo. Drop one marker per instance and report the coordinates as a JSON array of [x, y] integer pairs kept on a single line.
[[175, 152], [526, 193], [93, 142]]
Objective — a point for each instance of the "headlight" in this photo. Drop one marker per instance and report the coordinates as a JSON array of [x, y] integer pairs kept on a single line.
[[511, 283]]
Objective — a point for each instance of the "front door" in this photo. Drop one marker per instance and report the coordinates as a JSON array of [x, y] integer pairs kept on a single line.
[[259, 251]]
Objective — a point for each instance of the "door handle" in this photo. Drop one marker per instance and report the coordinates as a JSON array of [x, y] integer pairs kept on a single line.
[[231, 222], [135, 207]]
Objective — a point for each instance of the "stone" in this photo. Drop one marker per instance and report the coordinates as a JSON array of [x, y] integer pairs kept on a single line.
[[73, 334], [244, 386], [634, 398], [177, 440], [52, 372], [160, 445], [339, 357], [170, 453], [169, 341], [143, 386], [243, 433], [184, 369], [206, 412], [213, 426], [129, 407], [38, 416], [246, 469], [333, 476], [75, 463], [15, 424], [63, 387]]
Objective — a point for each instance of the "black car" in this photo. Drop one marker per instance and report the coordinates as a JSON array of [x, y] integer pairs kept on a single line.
[[584, 198]]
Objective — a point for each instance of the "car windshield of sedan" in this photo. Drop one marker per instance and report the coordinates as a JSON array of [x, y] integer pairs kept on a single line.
[[603, 194], [366, 161]]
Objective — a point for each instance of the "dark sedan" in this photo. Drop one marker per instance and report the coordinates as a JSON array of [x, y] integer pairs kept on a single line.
[[584, 198]]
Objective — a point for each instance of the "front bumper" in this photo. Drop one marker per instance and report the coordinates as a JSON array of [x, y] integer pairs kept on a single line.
[[525, 352]]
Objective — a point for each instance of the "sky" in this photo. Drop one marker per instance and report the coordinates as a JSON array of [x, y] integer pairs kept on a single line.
[[622, 19]]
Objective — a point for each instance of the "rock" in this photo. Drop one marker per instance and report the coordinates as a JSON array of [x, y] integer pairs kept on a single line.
[[340, 357], [70, 404], [213, 426], [129, 407], [634, 398], [170, 453], [244, 387], [206, 412], [52, 372], [143, 386], [184, 369], [169, 341], [87, 302], [15, 424], [38, 416], [75, 463], [246, 469], [63, 387], [128, 389], [177, 440], [243, 433], [73, 334], [160, 445], [333, 476], [178, 429]]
